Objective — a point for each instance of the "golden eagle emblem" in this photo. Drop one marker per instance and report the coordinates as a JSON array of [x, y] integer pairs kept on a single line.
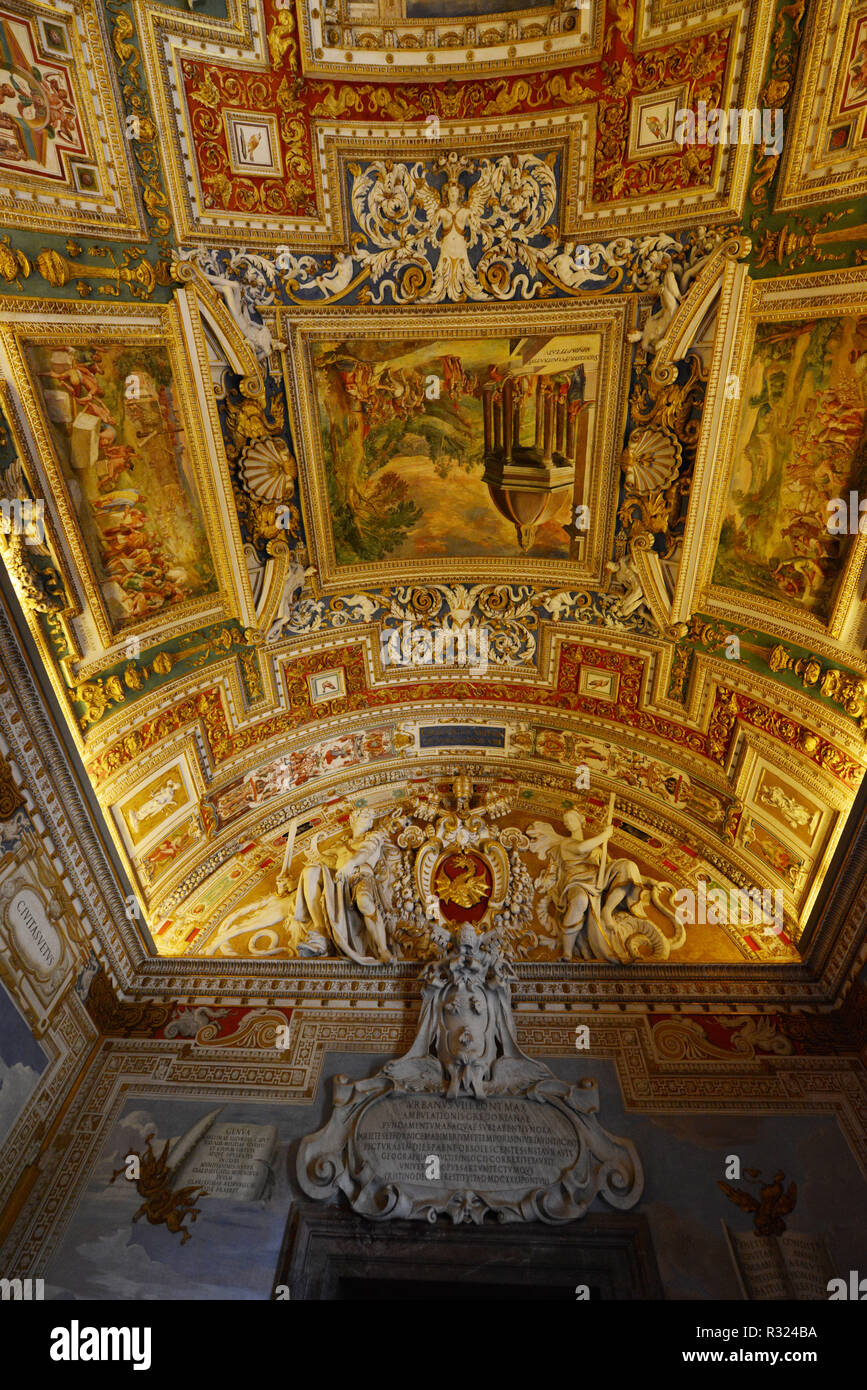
[[771, 1205], [465, 889]]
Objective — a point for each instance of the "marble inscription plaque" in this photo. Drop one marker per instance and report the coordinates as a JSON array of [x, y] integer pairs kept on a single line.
[[499, 1143], [465, 1124]]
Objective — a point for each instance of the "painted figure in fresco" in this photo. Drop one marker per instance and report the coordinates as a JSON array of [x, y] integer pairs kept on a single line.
[[454, 223], [601, 908], [794, 812], [340, 896], [156, 804], [163, 1205], [61, 111], [123, 458], [772, 1205], [800, 444]]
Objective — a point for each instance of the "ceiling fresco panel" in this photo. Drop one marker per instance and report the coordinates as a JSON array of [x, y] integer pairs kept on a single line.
[[65, 160], [457, 445], [116, 445], [795, 442], [625, 171]]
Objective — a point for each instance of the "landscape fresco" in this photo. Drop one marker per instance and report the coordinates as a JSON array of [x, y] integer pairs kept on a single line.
[[403, 441], [119, 438], [801, 442], [22, 1062]]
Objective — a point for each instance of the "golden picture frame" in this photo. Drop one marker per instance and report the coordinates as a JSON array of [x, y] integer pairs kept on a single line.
[[318, 336], [802, 808], [68, 40], [811, 172]]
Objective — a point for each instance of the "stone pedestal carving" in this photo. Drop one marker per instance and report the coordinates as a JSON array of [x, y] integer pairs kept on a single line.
[[466, 1123]]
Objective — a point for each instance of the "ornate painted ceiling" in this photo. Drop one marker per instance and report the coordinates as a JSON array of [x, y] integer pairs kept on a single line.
[[403, 417]]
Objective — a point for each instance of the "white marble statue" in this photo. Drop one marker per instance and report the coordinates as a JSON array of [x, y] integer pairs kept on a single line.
[[598, 903], [661, 261], [466, 1021], [340, 897], [244, 293], [624, 576]]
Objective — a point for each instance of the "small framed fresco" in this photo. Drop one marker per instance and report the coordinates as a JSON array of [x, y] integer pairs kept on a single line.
[[770, 852], [797, 815], [62, 134], [254, 143], [601, 685], [156, 804], [327, 685], [653, 125]]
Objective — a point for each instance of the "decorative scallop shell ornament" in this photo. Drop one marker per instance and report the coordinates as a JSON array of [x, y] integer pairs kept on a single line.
[[268, 470], [650, 461]]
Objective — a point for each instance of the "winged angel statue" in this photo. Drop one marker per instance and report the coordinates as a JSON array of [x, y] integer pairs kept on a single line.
[[600, 905]]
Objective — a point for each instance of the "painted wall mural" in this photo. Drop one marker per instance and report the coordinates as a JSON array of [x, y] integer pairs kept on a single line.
[[205, 1221], [218, 1192], [801, 442], [120, 442]]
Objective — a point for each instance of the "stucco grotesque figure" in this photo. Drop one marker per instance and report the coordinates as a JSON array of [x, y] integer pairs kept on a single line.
[[341, 898]]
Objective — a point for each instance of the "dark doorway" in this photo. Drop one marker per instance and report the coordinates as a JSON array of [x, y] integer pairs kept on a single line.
[[331, 1254], [427, 1290]]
